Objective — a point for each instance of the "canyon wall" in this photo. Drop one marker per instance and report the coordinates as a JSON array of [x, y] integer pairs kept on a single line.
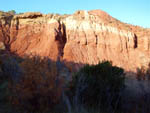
[[82, 38]]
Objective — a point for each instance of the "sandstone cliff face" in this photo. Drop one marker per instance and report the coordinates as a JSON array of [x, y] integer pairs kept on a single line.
[[91, 39], [84, 37], [33, 34]]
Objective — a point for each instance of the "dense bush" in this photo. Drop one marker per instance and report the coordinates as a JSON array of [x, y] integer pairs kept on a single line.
[[143, 101], [4, 94], [39, 89], [9, 71], [10, 67], [34, 85], [98, 85], [28, 84]]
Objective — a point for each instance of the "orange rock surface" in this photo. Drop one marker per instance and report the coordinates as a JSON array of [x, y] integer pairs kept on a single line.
[[83, 37]]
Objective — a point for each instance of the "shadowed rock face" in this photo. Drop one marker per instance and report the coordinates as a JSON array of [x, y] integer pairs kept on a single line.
[[84, 37]]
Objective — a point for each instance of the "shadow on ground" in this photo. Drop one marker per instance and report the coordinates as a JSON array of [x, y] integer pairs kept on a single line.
[[136, 96]]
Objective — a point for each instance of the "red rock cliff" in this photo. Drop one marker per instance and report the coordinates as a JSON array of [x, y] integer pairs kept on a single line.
[[84, 37]]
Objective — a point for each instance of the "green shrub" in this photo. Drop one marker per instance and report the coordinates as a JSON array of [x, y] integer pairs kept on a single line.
[[13, 12], [98, 85]]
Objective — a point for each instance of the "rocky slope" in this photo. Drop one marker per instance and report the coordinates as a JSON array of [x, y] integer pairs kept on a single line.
[[83, 37]]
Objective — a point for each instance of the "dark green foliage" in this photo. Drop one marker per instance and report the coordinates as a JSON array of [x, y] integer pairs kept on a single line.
[[13, 12], [99, 84], [7, 14]]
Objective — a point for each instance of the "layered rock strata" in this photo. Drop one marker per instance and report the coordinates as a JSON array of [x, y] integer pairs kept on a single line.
[[81, 38]]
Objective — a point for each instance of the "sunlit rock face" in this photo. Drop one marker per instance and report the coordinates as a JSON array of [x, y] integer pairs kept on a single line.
[[90, 39], [34, 34], [83, 37]]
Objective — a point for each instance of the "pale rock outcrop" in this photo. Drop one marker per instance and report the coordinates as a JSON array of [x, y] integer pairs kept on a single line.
[[90, 40], [2, 46]]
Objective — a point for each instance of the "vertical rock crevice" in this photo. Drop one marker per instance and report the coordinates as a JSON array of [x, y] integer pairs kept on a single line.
[[61, 38], [135, 42]]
